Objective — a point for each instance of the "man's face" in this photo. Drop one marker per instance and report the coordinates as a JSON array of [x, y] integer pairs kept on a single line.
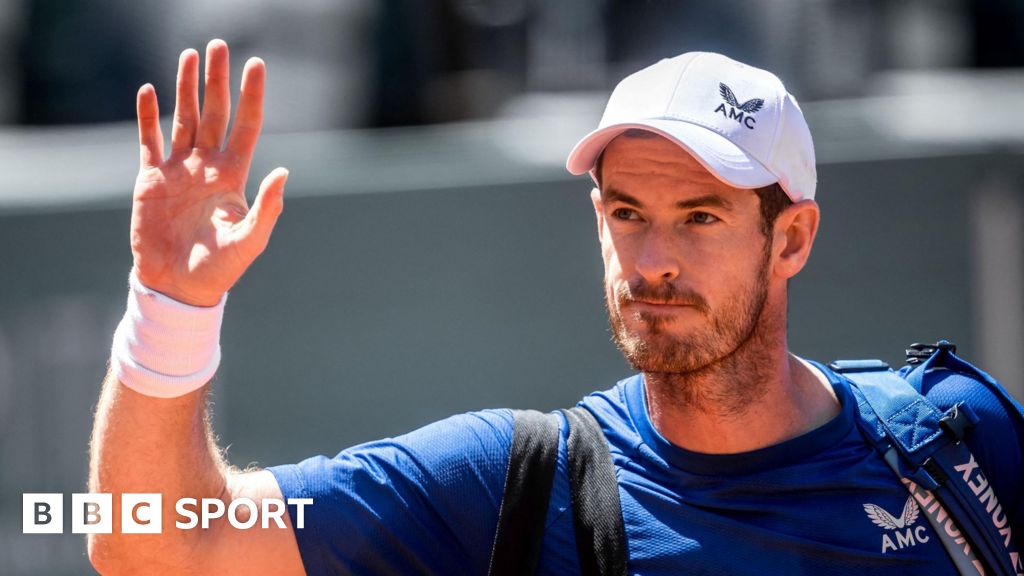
[[686, 262]]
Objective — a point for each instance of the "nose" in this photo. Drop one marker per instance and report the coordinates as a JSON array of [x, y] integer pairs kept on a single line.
[[658, 259]]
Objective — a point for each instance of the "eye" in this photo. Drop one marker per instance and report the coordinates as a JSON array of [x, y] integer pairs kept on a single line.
[[703, 218], [625, 214]]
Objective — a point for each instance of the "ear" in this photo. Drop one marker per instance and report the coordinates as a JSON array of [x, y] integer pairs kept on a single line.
[[595, 197], [794, 233]]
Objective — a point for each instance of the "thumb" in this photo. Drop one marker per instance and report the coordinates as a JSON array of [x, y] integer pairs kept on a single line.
[[267, 206]]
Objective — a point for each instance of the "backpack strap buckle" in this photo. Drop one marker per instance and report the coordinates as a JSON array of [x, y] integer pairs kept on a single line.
[[958, 420], [918, 352]]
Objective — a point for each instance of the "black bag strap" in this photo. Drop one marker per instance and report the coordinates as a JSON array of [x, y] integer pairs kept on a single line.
[[524, 505], [597, 513]]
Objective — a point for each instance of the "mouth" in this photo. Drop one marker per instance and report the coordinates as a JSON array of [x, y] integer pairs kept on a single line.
[[660, 303], [656, 306]]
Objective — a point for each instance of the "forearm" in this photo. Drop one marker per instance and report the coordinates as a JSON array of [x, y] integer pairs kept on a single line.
[[193, 234], [142, 444]]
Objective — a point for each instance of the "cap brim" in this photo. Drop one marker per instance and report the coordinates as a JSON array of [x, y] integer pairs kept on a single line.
[[726, 161]]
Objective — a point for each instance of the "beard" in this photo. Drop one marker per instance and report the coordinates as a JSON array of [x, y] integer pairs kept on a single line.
[[656, 351]]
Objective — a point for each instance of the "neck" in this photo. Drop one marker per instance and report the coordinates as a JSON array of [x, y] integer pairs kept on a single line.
[[757, 396]]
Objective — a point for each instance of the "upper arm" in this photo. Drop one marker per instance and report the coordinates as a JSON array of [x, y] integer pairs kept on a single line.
[[424, 503], [256, 550]]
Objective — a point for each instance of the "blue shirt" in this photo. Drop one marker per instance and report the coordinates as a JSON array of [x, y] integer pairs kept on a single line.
[[427, 502]]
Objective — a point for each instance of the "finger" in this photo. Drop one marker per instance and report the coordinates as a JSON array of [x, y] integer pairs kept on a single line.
[[266, 208], [213, 122], [246, 129], [186, 109], [151, 139]]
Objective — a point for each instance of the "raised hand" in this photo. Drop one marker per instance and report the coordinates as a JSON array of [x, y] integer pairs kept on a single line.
[[193, 234]]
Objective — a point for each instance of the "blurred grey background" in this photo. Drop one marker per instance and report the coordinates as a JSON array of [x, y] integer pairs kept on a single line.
[[434, 257]]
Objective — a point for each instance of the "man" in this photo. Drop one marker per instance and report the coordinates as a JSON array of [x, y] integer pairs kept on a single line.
[[733, 456]]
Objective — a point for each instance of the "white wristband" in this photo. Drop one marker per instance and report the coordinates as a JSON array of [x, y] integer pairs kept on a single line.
[[165, 348]]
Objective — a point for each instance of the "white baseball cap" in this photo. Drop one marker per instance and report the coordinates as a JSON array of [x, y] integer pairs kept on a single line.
[[738, 121]]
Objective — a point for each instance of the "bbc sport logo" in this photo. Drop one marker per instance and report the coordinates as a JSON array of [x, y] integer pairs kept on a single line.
[[143, 513]]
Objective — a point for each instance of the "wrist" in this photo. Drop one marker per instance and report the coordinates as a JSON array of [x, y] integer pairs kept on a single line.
[[174, 293], [163, 347]]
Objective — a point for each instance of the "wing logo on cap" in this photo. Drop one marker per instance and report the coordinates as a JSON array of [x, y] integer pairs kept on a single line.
[[750, 106], [741, 113]]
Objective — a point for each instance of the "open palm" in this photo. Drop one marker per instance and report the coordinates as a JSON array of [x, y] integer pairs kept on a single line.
[[193, 234]]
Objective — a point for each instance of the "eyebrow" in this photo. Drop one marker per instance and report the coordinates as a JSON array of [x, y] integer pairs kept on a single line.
[[616, 195]]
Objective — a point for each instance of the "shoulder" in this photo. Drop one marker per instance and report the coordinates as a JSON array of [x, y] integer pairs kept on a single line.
[[438, 455], [472, 439], [611, 407], [616, 410]]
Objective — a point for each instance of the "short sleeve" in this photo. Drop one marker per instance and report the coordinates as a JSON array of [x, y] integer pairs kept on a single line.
[[423, 503]]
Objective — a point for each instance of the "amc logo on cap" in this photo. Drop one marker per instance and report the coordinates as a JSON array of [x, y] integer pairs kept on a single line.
[[750, 107]]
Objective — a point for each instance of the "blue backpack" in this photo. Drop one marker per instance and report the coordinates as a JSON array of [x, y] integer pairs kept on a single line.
[[925, 447], [922, 444]]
